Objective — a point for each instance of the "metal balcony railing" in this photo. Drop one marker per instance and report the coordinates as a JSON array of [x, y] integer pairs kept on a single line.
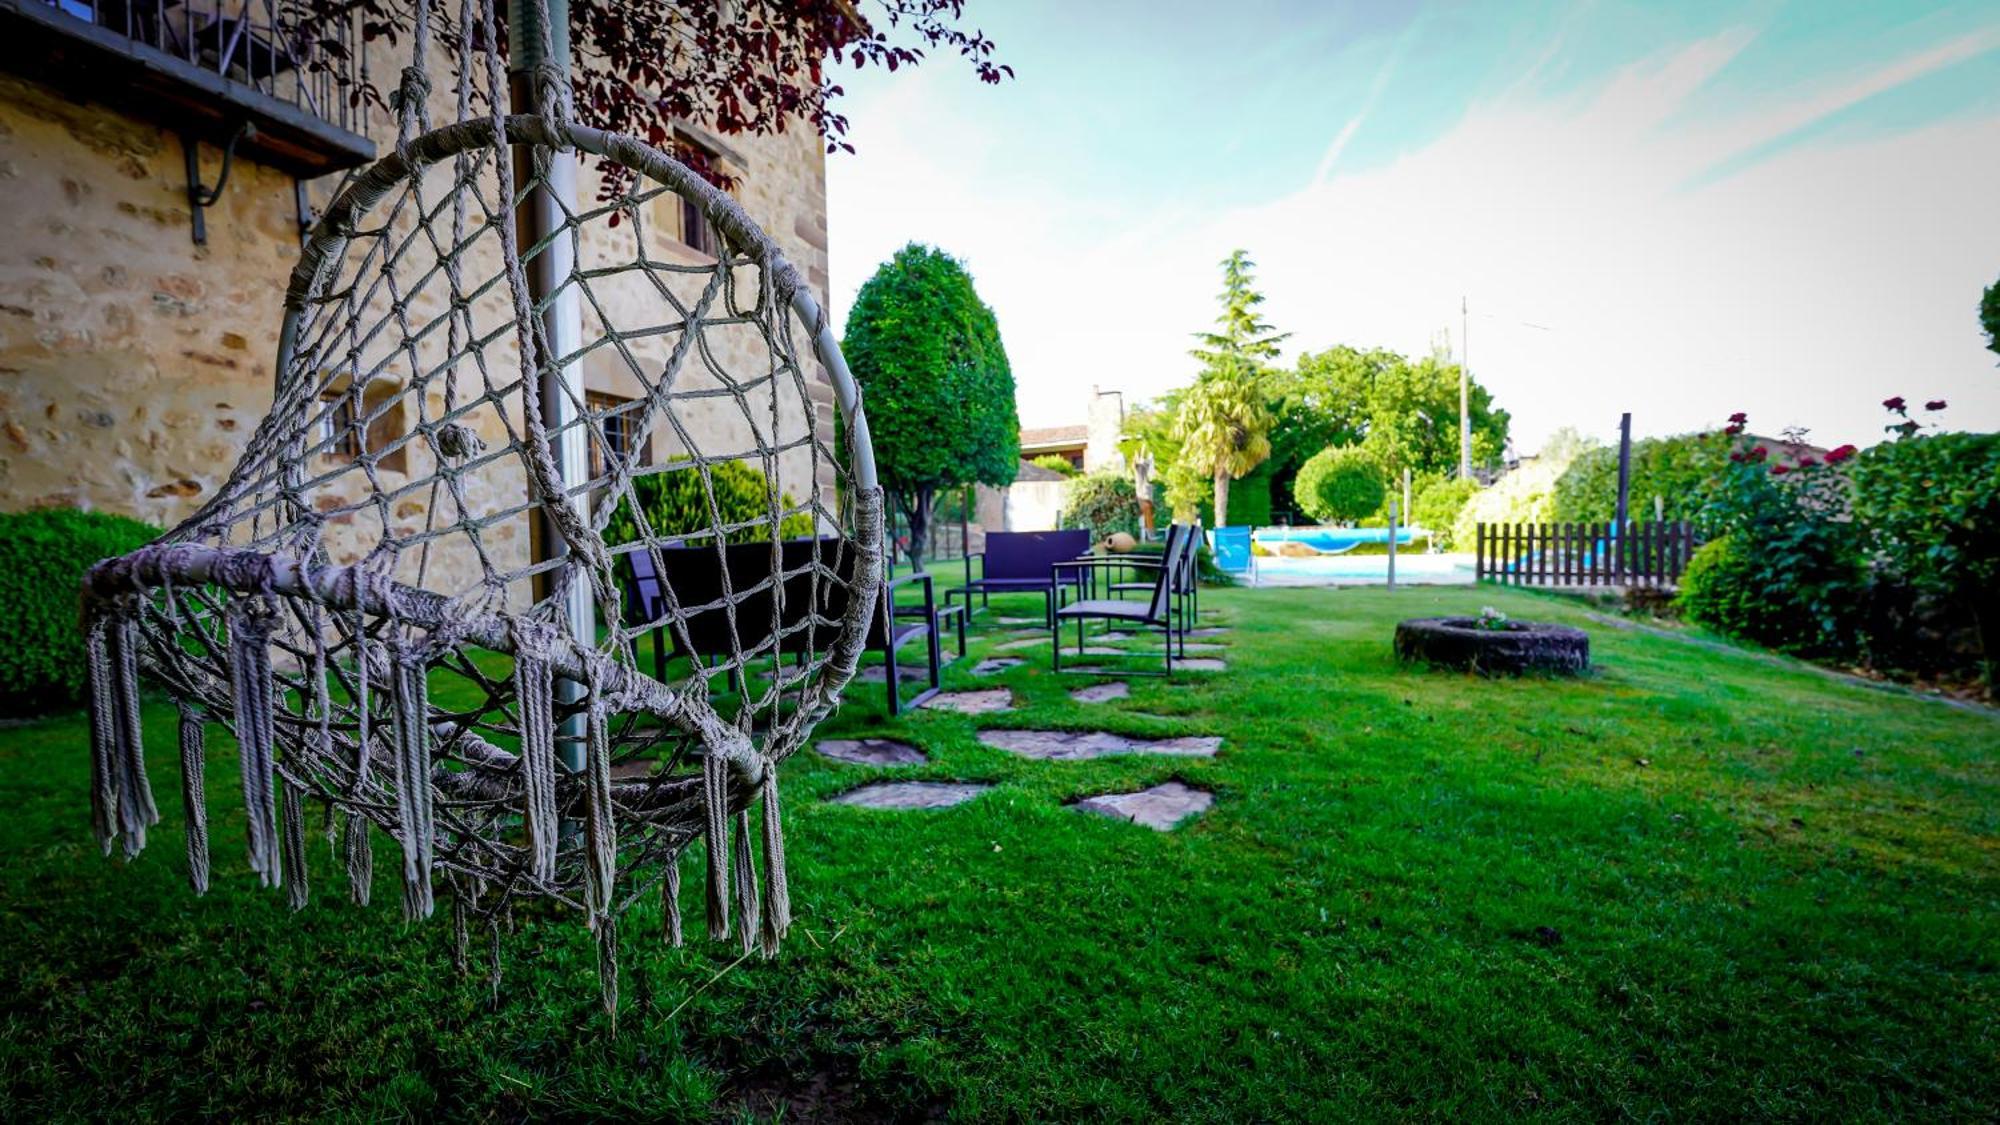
[[207, 68]]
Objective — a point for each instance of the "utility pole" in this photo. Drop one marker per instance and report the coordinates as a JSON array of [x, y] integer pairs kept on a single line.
[[1624, 488], [1464, 390], [561, 387]]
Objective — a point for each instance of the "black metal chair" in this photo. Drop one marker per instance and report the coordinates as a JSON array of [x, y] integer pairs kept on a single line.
[[1187, 580], [705, 628], [1016, 562], [1157, 611]]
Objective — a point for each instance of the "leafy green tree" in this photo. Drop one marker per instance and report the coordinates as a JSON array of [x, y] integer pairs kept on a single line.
[[1412, 419], [939, 392], [1405, 414], [1104, 502], [1340, 484], [1224, 421], [1055, 463], [1989, 316], [1436, 508]]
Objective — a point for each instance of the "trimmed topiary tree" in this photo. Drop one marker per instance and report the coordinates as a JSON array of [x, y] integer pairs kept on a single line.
[[1340, 484], [42, 559], [940, 394], [1055, 463]]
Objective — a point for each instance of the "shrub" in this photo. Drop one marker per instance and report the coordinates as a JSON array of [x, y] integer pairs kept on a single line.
[[1721, 589], [1930, 507], [675, 503], [1055, 463], [1339, 484], [1796, 562], [1436, 508], [1678, 470], [1103, 502], [42, 559]]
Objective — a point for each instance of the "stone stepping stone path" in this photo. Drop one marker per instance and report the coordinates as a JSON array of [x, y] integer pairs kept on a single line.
[[1197, 646], [911, 794], [1024, 642], [871, 751], [1200, 664], [878, 673], [1211, 631], [994, 664], [1072, 746], [1021, 621], [1159, 808], [637, 769], [972, 702], [1102, 693]]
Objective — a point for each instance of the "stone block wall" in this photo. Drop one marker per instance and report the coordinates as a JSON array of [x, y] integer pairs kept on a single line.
[[134, 364]]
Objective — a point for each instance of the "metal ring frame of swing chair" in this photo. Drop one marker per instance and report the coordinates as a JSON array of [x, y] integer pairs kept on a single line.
[[245, 571]]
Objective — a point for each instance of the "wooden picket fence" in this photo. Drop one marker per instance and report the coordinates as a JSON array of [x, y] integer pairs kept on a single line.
[[1585, 554]]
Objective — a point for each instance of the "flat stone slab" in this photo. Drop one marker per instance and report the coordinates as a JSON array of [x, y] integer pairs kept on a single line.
[[994, 664], [1200, 664], [879, 673], [1159, 808], [911, 794], [1021, 620], [972, 702], [1024, 642], [1072, 745], [1102, 693], [636, 769], [1211, 631], [870, 751]]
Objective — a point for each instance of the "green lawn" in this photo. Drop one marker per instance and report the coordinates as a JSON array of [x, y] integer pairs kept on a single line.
[[1698, 883]]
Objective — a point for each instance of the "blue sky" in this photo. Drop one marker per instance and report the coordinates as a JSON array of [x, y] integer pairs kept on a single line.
[[1680, 210]]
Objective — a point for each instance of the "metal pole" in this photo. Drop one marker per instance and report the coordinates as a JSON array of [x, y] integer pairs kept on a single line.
[[1392, 543], [561, 391], [1464, 390], [1624, 487]]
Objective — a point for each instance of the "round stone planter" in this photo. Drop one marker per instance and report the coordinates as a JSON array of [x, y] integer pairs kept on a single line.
[[1511, 648]]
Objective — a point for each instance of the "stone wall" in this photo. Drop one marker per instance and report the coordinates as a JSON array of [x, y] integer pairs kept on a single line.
[[134, 364]]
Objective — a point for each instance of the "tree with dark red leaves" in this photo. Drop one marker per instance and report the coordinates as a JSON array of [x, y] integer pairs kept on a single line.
[[749, 66]]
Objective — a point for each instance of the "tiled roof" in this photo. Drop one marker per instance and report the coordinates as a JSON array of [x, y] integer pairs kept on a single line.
[[1056, 435]]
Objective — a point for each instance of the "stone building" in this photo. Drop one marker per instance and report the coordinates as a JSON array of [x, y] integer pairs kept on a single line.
[[139, 323]]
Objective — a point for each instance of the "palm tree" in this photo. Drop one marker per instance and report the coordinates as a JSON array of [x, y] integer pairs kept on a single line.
[[1225, 430], [1223, 422]]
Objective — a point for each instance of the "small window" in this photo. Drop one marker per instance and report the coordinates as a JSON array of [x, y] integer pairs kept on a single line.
[[347, 428], [618, 418], [680, 218]]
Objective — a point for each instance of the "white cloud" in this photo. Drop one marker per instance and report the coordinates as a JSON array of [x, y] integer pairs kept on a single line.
[[1803, 288]]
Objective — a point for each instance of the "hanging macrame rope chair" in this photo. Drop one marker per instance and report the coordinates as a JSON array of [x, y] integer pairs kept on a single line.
[[381, 601]]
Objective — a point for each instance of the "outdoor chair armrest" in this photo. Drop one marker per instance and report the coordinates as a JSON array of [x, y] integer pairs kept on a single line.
[[969, 556], [930, 593]]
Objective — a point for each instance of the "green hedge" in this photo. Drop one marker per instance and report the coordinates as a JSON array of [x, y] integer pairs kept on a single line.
[[1680, 471], [677, 504], [42, 559]]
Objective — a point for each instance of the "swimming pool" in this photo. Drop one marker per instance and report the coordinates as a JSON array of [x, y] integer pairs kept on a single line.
[[1415, 569], [1333, 540]]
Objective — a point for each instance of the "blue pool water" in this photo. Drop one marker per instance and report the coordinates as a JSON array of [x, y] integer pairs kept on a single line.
[[1332, 540]]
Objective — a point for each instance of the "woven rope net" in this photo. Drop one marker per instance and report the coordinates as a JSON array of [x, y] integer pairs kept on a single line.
[[381, 603]]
